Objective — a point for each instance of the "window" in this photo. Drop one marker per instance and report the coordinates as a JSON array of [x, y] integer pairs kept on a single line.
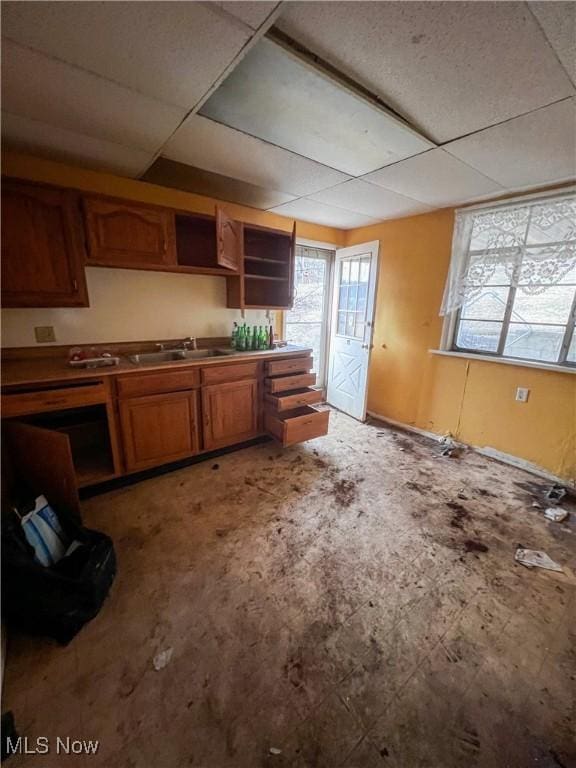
[[353, 296], [306, 323], [511, 290]]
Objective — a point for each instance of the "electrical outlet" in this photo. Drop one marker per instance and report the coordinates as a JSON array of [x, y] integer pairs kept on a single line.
[[522, 394], [44, 334]]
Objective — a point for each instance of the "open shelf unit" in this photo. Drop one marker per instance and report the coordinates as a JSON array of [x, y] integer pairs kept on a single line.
[[267, 277]]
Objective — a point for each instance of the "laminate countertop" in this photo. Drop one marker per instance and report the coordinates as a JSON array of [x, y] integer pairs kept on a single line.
[[46, 370]]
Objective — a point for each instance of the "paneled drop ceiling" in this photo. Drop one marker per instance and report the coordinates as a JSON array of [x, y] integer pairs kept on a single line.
[[339, 113]]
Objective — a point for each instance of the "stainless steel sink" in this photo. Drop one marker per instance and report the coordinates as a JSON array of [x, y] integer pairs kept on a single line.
[[173, 355]]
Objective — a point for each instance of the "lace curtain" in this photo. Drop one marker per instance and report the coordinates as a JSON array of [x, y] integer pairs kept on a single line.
[[530, 245]]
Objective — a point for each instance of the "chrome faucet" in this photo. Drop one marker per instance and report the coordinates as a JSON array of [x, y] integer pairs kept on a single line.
[[190, 342]]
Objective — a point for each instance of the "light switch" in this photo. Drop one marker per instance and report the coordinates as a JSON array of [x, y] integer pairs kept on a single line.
[[44, 334], [522, 394]]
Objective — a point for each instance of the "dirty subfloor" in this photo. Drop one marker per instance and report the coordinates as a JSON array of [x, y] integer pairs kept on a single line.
[[352, 601]]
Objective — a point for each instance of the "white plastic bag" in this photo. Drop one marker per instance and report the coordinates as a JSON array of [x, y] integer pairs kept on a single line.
[[44, 533]]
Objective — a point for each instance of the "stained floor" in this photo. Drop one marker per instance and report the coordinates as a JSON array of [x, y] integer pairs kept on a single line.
[[351, 602]]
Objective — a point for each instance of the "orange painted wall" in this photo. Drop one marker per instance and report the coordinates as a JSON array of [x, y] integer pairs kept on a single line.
[[471, 399]]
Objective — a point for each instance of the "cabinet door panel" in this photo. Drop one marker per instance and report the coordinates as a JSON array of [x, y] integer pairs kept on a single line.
[[159, 429], [42, 249], [231, 413], [41, 460], [123, 234], [229, 241]]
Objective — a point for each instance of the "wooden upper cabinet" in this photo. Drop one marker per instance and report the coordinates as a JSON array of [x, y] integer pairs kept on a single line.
[[229, 241], [129, 235], [42, 247]]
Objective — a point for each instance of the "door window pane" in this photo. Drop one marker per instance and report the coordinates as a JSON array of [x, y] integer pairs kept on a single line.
[[354, 270], [365, 271]]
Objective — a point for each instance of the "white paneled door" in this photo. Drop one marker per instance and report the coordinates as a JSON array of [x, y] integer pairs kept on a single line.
[[352, 327]]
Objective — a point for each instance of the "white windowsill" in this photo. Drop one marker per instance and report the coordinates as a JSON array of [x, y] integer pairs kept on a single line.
[[505, 361]]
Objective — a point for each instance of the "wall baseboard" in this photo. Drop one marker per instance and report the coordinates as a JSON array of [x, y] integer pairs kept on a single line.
[[492, 453], [407, 427]]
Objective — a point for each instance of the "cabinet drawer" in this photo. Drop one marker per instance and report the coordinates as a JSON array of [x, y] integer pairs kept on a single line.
[[23, 403], [289, 383], [156, 383], [293, 365], [218, 374], [297, 426], [294, 399]]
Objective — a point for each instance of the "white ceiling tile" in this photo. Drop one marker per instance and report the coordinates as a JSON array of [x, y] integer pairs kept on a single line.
[[318, 213], [449, 67], [278, 97], [214, 147], [434, 177], [558, 20], [44, 140], [41, 88], [251, 13], [172, 51], [538, 148], [370, 200]]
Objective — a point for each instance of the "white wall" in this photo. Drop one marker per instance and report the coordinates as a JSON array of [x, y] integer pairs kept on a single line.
[[132, 305]]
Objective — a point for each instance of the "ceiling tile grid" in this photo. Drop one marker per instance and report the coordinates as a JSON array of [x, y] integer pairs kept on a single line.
[[42, 88], [65, 146], [215, 147], [172, 51], [436, 178], [558, 22], [252, 13], [278, 97], [319, 213], [105, 87], [450, 68], [535, 149], [362, 197]]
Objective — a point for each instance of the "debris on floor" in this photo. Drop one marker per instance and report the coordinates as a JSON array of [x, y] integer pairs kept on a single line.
[[448, 448], [555, 494], [275, 751], [556, 514], [534, 558], [162, 659]]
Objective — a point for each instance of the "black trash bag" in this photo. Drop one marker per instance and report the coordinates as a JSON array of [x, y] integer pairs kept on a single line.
[[55, 601]]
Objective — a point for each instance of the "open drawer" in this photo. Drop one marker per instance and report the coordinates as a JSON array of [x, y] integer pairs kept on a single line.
[[292, 365], [289, 383], [287, 401], [296, 426]]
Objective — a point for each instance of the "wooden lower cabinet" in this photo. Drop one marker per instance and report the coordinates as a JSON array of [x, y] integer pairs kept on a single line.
[[231, 413], [158, 429]]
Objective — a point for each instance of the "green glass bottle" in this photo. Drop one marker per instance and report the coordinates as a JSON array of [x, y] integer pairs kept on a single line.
[[255, 337], [240, 339], [234, 336], [262, 338], [248, 338]]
